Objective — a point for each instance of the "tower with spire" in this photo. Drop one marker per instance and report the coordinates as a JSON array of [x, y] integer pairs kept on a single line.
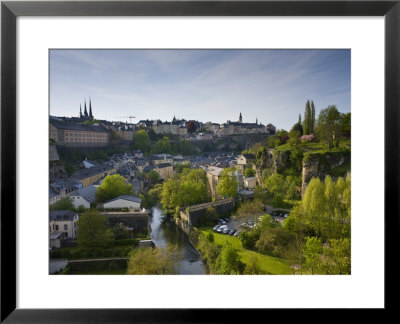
[[240, 118], [85, 112], [90, 110], [85, 115]]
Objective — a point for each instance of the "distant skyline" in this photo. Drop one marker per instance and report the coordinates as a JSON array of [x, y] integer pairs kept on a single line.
[[206, 85]]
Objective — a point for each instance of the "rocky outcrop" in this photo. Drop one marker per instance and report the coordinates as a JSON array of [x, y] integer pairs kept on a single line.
[[320, 165], [310, 170], [281, 160], [57, 171]]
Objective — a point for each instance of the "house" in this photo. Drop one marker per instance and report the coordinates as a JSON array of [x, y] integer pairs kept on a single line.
[[165, 170], [89, 176], [213, 175], [161, 158], [244, 161], [137, 186], [64, 221], [84, 196], [123, 201], [54, 196], [138, 154], [250, 183]]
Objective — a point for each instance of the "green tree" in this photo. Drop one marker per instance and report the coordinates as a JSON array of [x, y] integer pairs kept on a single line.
[[345, 125], [120, 231], [186, 148], [142, 141], [113, 186], [248, 238], [250, 209], [153, 176], [151, 261], [170, 198], [283, 136], [162, 146], [93, 231], [337, 257], [309, 118], [249, 173], [193, 187], [81, 209], [210, 237], [276, 184], [312, 252], [63, 204], [228, 261], [253, 266], [328, 127], [227, 183]]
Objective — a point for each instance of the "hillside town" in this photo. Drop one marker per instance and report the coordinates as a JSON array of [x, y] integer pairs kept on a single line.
[[133, 177]]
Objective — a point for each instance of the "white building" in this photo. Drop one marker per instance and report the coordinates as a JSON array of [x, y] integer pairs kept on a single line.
[[250, 183], [65, 222], [84, 196], [123, 201]]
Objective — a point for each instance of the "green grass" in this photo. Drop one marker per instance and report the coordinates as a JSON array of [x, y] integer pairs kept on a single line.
[[320, 147], [269, 264]]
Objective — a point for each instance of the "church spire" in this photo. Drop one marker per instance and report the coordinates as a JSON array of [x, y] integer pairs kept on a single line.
[[240, 118], [90, 109], [80, 111], [85, 112]]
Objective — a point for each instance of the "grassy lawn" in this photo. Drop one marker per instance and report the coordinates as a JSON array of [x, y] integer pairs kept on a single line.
[[271, 265]]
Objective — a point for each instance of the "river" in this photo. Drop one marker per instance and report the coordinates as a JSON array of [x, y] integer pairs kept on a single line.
[[164, 231]]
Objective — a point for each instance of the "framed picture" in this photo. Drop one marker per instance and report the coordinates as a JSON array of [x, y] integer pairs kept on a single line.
[[179, 26]]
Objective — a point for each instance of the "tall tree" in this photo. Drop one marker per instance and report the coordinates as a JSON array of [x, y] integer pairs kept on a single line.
[[142, 141], [228, 262], [271, 129], [312, 121], [227, 183], [93, 231], [312, 252], [328, 127], [309, 118]]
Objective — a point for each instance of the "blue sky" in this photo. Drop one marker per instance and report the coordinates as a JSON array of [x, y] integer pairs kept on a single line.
[[206, 85]]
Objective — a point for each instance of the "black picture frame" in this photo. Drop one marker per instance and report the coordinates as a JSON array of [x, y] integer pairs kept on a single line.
[[10, 10]]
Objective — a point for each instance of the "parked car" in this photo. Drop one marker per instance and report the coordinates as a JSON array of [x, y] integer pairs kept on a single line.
[[236, 234], [216, 227], [286, 215], [232, 231], [222, 228], [225, 231], [226, 220], [222, 221]]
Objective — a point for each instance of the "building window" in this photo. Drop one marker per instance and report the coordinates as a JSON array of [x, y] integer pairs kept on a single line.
[[56, 227], [65, 227]]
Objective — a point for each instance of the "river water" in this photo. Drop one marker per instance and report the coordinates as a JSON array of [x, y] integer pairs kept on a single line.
[[164, 230]]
